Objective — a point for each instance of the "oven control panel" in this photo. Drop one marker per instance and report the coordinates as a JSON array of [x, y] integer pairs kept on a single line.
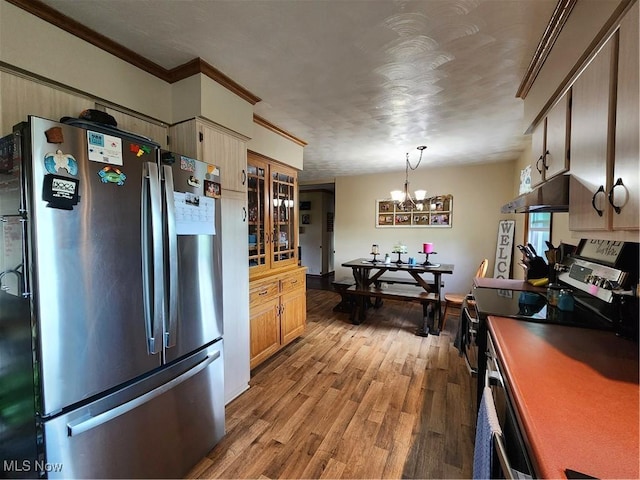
[[593, 278]]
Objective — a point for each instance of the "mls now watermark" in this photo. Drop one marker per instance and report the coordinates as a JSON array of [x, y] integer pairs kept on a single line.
[[30, 466]]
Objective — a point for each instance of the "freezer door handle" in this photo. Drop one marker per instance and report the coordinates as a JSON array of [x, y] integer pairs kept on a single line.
[[172, 243], [152, 261], [88, 422]]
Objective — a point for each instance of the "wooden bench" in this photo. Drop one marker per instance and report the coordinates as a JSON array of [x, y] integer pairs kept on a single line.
[[360, 299], [341, 285], [402, 281]]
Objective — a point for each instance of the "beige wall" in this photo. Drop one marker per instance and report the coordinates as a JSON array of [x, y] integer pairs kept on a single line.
[[272, 145], [478, 193]]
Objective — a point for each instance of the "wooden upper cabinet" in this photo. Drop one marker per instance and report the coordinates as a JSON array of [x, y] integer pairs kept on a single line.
[[550, 142], [556, 158], [538, 149], [228, 153], [626, 194], [591, 150], [215, 145], [604, 190]]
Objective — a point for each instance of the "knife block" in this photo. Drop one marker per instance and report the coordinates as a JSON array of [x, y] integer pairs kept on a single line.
[[538, 268]]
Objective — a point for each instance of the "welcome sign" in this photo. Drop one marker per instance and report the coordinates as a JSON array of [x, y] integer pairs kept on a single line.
[[504, 249]]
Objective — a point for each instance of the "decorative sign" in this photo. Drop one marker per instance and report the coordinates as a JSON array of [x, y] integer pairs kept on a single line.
[[431, 212], [504, 249], [604, 251]]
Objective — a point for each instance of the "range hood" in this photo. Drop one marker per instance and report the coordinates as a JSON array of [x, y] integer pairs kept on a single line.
[[550, 196]]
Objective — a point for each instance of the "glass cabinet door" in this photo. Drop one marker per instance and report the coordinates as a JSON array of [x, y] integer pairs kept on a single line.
[[257, 205], [283, 215], [272, 192]]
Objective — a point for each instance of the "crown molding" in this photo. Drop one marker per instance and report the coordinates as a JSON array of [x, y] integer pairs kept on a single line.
[[556, 23], [49, 15], [195, 66], [270, 126]]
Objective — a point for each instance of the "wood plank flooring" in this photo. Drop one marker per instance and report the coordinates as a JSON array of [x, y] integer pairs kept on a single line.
[[352, 401]]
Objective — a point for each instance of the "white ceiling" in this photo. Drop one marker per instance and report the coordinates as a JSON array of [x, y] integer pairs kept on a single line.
[[363, 82]]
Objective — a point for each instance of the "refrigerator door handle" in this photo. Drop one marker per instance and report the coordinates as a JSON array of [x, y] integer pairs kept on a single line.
[[86, 423], [152, 260], [172, 241]]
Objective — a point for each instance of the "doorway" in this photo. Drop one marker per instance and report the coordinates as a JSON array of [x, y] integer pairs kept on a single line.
[[317, 210]]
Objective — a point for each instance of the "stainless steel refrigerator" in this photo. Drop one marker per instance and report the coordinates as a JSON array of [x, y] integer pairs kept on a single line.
[[111, 349]]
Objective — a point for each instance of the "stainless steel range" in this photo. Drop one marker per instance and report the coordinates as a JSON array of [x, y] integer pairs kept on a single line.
[[602, 279]]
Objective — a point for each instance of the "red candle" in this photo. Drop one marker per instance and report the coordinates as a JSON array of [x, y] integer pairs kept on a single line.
[[427, 248]]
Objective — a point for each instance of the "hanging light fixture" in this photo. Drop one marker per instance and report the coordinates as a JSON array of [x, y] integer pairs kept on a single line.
[[403, 198]]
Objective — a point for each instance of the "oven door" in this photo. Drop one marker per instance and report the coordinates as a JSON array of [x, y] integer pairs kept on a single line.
[[471, 329], [510, 454]]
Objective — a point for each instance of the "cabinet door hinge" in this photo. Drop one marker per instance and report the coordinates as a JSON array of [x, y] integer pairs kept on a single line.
[[200, 136]]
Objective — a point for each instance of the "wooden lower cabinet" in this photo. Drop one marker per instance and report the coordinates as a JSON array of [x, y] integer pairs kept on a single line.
[[293, 315], [265, 331], [278, 312]]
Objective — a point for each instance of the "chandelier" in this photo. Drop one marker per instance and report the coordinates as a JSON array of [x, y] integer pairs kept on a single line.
[[403, 198]]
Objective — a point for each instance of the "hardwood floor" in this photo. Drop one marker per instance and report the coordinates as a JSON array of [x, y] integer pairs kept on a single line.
[[352, 401]]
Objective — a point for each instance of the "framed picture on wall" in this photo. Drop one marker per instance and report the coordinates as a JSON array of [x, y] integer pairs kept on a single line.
[[306, 205], [434, 212], [306, 219]]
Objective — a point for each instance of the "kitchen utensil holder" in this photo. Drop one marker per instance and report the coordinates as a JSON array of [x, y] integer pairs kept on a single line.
[[537, 268]]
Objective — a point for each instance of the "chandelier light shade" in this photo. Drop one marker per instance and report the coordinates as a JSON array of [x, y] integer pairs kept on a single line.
[[403, 198]]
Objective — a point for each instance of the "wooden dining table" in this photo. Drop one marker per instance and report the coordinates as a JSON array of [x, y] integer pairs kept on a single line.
[[369, 276]]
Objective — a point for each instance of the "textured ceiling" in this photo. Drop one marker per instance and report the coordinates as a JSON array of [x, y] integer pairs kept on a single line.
[[363, 82]]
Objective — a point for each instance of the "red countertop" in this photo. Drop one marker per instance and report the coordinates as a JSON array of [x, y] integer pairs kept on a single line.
[[576, 392]]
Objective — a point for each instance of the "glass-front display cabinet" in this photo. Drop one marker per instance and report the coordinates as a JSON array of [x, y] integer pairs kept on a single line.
[[283, 193], [257, 201], [272, 214]]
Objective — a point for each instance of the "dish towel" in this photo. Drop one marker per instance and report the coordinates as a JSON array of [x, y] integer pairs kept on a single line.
[[461, 335], [486, 427]]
